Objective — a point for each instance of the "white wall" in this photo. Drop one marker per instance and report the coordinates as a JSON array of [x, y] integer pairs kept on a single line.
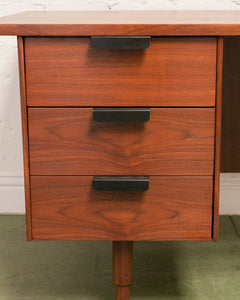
[[11, 166]]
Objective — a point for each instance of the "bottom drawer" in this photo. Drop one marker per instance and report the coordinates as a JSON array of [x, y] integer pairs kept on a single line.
[[173, 208]]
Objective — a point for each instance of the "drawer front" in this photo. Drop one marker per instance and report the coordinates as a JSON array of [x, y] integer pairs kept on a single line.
[[67, 141], [171, 72], [174, 208]]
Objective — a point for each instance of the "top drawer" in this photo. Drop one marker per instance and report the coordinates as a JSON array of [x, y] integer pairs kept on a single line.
[[171, 72]]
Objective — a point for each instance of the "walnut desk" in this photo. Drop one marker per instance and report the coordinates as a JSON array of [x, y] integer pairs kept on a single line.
[[121, 118]]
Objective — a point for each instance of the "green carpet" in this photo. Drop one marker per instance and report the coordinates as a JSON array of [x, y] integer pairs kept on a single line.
[[83, 270]]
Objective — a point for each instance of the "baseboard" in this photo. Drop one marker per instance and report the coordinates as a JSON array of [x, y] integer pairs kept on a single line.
[[12, 193], [230, 194]]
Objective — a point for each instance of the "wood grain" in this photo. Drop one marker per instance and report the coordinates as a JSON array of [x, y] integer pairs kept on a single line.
[[122, 268], [172, 72], [218, 138], [174, 208], [158, 22], [21, 62], [67, 141], [230, 149], [122, 292]]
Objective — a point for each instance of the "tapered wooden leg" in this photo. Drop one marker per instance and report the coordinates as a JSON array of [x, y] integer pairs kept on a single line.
[[122, 268]]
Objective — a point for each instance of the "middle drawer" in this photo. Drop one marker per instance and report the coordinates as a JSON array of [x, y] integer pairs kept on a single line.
[[67, 141]]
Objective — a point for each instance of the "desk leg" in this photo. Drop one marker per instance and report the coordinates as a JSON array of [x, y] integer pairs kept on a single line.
[[122, 268]]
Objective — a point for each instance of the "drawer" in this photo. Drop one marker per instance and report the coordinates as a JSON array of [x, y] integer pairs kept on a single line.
[[68, 141], [174, 208], [174, 71]]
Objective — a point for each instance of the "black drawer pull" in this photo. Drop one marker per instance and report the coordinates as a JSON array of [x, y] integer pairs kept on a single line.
[[121, 114], [120, 42], [120, 183]]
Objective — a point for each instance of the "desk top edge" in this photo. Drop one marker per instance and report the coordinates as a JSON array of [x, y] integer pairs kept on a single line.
[[77, 23]]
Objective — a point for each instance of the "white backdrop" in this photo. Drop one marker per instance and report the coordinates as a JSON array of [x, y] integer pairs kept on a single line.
[[11, 166]]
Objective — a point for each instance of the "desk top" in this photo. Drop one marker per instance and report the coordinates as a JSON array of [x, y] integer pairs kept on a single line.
[[85, 23]]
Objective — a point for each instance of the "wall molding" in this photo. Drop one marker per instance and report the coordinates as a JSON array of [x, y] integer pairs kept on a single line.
[[12, 178], [12, 193]]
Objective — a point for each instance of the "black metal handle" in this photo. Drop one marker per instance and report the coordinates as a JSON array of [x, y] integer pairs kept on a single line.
[[121, 114], [121, 183], [120, 42]]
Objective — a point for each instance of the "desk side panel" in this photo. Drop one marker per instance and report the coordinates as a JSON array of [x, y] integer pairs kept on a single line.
[[218, 138], [22, 75]]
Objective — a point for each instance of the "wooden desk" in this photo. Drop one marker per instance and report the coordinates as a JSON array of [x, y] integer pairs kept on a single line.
[[121, 133]]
